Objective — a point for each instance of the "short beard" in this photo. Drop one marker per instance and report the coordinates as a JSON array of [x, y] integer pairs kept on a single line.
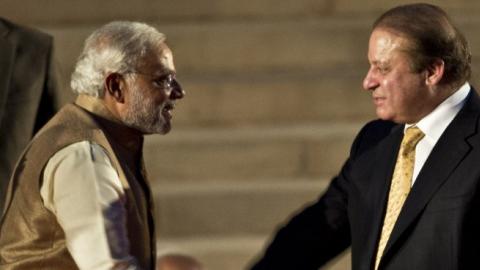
[[144, 115]]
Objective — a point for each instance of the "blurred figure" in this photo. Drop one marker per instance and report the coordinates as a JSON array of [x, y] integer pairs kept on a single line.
[[178, 262], [79, 197], [27, 92]]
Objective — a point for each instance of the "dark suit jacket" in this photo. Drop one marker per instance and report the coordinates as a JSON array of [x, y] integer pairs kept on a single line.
[[438, 227], [26, 92]]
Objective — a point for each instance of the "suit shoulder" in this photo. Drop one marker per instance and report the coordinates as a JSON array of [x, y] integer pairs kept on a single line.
[[378, 128], [371, 134]]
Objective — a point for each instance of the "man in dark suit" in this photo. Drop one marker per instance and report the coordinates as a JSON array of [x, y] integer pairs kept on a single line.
[[27, 87], [408, 195]]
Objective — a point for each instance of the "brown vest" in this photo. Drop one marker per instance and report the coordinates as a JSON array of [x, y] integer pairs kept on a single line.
[[30, 236]]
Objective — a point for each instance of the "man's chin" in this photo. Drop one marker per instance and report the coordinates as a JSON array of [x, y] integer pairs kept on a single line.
[[159, 127], [382, 114], [165, 130], [162, 129]]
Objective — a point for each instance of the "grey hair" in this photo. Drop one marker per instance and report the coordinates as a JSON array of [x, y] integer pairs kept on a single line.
[[115, 47]]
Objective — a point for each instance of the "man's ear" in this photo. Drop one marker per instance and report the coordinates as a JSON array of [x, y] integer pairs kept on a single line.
[[435, 72], [115, 87]]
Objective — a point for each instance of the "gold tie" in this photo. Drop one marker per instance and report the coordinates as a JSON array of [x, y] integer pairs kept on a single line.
[[400, 187]]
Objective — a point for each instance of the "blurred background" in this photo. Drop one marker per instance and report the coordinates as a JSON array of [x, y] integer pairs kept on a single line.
[[274, 99]]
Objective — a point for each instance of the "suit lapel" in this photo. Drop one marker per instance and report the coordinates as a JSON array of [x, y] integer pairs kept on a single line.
[[436, 170], [385, 159], [7, 56]]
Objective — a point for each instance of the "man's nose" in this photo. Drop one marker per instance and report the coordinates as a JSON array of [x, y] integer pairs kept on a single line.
[[370, 82], [177, 91]]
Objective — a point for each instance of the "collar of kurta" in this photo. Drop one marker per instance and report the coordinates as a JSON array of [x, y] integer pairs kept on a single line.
[[127, 137]]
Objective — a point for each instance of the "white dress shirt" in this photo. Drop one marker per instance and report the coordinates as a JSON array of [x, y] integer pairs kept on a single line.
[[434, 124], [81, 187]]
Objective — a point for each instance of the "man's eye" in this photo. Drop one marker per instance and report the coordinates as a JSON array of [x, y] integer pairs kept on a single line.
[[164, 82], [383, 69]]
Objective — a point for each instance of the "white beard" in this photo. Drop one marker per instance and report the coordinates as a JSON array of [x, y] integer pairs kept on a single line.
[[144, 115]]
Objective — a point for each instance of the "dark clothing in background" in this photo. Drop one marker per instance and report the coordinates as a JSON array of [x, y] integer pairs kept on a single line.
[[27, 86]]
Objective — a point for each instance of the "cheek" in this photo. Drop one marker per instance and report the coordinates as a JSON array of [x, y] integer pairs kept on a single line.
[[388, 86], [409, 88], [153, 96], [160, 97], [395, 89]]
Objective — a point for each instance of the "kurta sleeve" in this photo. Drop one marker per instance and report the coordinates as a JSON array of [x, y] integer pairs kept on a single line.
[[83, 190]]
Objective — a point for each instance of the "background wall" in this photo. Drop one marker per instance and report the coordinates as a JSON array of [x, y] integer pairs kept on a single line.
[[273, 101]]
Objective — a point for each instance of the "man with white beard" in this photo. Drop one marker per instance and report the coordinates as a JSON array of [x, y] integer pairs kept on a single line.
[[79, 197]]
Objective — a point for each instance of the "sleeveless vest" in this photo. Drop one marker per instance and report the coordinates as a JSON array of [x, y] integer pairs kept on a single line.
[[30, 236]]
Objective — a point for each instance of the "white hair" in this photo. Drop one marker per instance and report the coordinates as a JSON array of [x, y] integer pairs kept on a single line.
[[115, 47]]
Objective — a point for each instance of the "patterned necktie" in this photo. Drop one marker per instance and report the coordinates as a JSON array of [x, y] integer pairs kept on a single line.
[[400, 186]]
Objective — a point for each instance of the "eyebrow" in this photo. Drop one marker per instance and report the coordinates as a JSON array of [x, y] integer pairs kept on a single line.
[[164, 72], [378, 62]]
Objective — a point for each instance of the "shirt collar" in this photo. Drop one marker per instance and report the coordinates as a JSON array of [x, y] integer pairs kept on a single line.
[[434, 124]]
